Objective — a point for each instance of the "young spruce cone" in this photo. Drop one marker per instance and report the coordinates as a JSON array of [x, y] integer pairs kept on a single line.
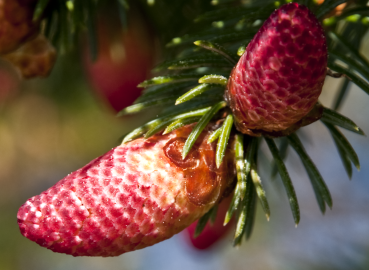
[[279, 78], [134, 196]]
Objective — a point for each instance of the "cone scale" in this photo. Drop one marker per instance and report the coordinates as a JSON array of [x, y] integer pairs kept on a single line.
[[279, 78]]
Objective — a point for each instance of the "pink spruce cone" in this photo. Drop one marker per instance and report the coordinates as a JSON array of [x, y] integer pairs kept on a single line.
[[280, 76], [134, 196]]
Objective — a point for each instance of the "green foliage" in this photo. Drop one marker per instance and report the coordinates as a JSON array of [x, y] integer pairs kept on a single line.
[[246, 217], [197, 130], [321, 191], [290, 190], [210, 215]]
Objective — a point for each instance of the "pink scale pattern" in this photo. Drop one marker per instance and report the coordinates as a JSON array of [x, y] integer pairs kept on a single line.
[[130, 198], [280, 76]]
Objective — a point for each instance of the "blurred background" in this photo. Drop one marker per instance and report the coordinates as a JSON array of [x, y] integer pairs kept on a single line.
[[51, 127]]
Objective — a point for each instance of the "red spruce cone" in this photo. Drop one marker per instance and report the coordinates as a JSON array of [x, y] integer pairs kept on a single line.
[[125, 59], [280, 76], [16, 25], [134, 196]]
